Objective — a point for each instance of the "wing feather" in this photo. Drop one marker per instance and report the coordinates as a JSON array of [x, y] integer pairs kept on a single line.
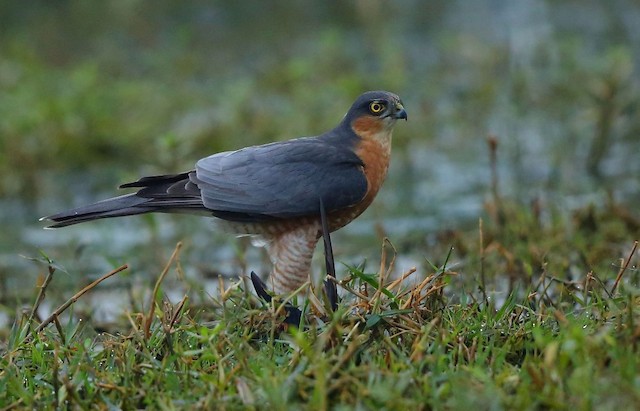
[[281, 180]]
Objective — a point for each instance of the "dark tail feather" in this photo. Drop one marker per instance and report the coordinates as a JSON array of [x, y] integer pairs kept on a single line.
[[129, 204]]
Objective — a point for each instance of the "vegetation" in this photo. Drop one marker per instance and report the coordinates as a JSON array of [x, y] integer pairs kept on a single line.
[[424, 340], [531, 302]]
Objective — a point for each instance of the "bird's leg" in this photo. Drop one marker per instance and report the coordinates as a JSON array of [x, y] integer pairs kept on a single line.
[[291, 253]]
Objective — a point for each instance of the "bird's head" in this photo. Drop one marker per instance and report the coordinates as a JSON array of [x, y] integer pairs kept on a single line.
[[374, 114]]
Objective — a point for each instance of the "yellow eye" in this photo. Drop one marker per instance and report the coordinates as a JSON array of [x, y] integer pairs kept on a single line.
[[376, 107]]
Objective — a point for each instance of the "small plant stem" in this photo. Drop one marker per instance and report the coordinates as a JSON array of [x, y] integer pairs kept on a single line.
[[483, 283], [492, 142], [178, 309], [149, 318], [41, 294], [76, 297], [349, 289], [624, 267]]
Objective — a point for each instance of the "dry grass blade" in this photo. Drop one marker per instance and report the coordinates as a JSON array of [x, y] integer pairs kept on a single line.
[[346, 287], [384, 272], [75, 298], [177, 311], [483, 282], [12, 406], [61, 333], [624, 267], [397, 282], [41, 294], [149, 318]]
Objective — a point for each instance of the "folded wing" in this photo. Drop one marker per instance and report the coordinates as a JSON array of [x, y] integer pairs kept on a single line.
[[280, 180]]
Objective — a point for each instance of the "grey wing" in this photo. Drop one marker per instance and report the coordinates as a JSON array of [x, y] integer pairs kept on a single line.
[[280, 180]]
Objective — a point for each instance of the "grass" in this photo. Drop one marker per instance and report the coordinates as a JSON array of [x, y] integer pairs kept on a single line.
[[436, 339], [535, 308]]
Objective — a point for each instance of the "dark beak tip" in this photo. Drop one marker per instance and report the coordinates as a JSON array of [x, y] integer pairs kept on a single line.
[[402, 114]]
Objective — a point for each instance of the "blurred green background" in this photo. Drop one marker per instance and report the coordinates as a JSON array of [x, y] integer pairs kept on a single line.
[[94, 94]]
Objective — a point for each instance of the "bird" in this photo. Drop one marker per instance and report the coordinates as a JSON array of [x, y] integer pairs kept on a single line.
[[274, 191]]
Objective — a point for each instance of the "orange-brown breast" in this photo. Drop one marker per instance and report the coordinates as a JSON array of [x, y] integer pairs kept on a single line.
[[374, 149]]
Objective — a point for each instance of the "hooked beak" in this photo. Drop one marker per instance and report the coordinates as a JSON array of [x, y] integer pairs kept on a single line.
[[400, 112]]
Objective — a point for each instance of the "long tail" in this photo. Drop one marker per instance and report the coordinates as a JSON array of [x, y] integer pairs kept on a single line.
[[167, 193], [129, 204]]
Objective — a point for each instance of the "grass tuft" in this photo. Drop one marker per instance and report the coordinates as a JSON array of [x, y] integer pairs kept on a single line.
[[409, 340]]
